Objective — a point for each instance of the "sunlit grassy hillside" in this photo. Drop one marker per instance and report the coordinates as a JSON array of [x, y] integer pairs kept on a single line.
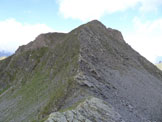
[[159, 66], [1, 58]]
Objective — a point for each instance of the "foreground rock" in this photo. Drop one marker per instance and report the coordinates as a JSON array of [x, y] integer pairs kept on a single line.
[[90, 110]]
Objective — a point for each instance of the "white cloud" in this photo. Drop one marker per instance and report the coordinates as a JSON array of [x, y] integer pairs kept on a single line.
[[13, 33], [94, 9], [146, 38], [91, 9], [149, 5]]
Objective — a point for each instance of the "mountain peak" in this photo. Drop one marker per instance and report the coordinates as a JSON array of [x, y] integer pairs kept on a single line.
[[94, 27], [95, 22], [97, 28]]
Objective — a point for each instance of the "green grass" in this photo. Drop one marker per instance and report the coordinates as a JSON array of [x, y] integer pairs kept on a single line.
[[43, 89]]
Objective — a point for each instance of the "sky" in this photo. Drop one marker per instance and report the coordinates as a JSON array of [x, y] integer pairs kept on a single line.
[[140, 21]]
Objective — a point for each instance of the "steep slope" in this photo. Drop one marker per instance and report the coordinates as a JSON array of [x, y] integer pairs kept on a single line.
[[76, 75], [135, 84], [35, 81]]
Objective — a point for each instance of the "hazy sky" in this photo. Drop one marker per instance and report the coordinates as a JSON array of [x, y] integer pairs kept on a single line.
[[140, 21]]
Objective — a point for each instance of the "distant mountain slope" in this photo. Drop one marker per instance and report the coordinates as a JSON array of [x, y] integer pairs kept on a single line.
[[5, 54], [1, 58], [159, 65], [75, 76]]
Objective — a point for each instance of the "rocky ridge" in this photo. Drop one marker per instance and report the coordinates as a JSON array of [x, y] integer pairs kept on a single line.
[[75, 75], [90, 110]]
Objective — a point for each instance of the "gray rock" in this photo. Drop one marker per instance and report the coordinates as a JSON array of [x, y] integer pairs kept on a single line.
[[90, 110]]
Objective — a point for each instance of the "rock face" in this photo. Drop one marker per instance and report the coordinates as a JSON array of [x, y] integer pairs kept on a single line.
[[88, 74], [90, 110]]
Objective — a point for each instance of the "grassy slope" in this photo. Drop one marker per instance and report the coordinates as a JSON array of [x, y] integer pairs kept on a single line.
[[45, 87]]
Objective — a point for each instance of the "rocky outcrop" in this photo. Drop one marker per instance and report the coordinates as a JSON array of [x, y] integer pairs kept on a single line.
[[43, 40], [90, 110], [115, 34]]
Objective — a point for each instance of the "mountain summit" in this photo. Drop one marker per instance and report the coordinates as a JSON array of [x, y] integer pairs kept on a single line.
[[89, 74]]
